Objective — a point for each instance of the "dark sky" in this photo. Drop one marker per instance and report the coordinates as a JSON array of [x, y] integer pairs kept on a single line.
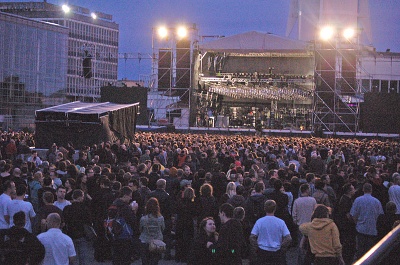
[[136, 18]]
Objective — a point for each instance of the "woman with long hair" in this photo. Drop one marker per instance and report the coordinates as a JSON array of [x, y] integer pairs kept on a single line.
[[200, 254], [230, 192], [81, 183], [184, 225], [70, 187], [151, 227], [206, 203]]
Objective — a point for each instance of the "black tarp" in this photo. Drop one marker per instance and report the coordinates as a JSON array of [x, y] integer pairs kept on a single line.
[[85, 123]]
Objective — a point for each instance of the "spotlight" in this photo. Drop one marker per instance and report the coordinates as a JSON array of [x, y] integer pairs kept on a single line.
[[66, 8], [182, 32], [326, 33], [162, 32], [94, 16], [348, 33]]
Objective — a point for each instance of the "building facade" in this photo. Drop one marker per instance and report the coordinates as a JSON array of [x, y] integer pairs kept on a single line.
[[92, 45], [33, 68]]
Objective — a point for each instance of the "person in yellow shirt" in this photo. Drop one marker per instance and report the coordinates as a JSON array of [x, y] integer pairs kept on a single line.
[[323, 236]]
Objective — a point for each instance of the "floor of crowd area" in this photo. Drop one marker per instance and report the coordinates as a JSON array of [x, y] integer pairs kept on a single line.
[[291, 259]]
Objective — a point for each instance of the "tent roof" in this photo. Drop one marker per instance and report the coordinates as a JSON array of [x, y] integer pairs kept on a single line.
[[254, 41], [78, 107]]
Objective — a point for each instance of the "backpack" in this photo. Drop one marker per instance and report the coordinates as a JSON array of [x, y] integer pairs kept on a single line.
[[115, 225]]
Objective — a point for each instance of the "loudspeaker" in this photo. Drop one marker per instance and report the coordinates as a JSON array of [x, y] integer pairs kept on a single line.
[[380, 113], [87, 67], [164, 69]]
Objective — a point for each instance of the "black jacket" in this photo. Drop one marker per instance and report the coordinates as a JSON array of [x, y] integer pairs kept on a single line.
[[75, 216], [228, 249], [200, 254], [17, 245]]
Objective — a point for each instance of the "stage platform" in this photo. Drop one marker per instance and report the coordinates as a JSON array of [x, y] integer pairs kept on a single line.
[[249, 131]]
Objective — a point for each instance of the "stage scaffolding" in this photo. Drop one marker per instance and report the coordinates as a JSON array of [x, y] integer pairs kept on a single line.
[[169, 95], [338, 88]]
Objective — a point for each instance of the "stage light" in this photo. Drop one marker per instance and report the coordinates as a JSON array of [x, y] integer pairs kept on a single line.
[[348, 33], [326, 33], [162, 32], [66, 8], [94, 16], [182, 32]]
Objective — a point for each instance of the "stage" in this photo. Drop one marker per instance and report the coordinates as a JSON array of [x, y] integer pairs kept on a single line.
[[249, 131]]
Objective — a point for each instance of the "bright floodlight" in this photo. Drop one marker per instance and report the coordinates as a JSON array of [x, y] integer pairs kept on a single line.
[[66, 8], [326, 33], [94, 16], [182, 32], [348, 33], [162, 32]]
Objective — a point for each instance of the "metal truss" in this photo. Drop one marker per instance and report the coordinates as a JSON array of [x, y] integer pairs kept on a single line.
[[337, 88]]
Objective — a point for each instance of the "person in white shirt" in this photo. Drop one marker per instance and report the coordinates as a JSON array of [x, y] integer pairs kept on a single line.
[[5, 198], [303, 206], [61, 202], [34, 158], [59, 247], [18, 204], [394, 192]]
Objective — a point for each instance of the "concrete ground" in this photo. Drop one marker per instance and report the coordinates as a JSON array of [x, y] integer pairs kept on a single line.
[[291, 258]]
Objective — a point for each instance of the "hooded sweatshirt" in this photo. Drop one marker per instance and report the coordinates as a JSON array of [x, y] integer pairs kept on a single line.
[[323, 235]]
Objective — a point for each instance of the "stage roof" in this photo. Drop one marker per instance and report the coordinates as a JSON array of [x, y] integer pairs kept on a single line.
[[254, 41], [78, 107]]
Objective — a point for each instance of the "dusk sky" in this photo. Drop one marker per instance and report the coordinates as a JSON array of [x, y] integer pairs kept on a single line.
[[136, 18]]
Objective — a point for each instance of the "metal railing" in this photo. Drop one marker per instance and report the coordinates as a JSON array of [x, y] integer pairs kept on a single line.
[[391, 242]]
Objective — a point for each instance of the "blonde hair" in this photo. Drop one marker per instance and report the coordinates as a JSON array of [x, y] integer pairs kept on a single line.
[[37, 175], [231, 189]]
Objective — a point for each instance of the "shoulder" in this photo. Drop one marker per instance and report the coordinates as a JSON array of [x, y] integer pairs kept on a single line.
[[304, 227]]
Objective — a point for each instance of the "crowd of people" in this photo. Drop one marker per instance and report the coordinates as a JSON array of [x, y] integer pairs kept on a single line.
[[213, 199]]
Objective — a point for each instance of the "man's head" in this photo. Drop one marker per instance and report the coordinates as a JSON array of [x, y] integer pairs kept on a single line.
[[17, 172], [226, 212], [161, 184], [310, 177], [126, 194], [47, 181], [270, 206], [348, 189], [326, 179], [53, 220], [48, 197], [305, 189], [19, 219], [78, 195], [21, 190], [186, 170], [396, 179], [367, 188], [261, 173], [259, 187], [9, 187], [60, 192]]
